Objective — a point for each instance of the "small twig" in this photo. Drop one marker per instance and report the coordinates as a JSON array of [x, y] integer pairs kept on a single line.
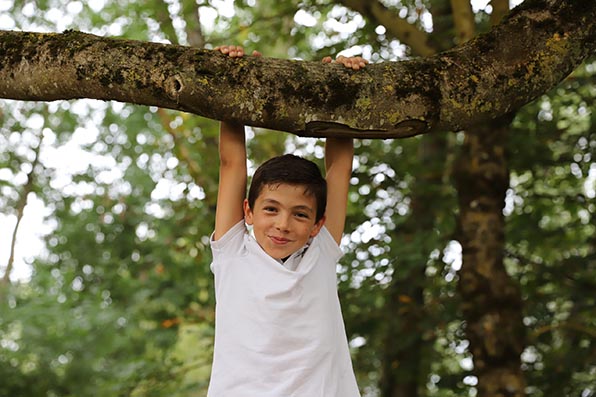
[[567, 325], [22, 203]]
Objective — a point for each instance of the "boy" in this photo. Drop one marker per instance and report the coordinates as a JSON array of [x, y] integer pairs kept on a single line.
[[279, 329]]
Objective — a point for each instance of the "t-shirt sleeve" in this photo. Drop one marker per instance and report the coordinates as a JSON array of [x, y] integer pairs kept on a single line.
[[229, 244], [328, 245]]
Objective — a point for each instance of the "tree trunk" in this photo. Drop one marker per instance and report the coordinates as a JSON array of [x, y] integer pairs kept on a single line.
[[492, 305], [534, 48]]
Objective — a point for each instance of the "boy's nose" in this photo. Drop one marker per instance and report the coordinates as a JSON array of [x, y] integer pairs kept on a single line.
[[282, 223]]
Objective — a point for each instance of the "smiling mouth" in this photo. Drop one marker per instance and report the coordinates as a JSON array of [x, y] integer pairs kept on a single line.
[[279, 240]]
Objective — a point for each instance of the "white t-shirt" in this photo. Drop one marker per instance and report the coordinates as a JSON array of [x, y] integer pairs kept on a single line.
[[278, 332]]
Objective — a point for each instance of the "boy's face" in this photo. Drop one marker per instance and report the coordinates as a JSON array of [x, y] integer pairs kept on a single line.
[[283, 219]]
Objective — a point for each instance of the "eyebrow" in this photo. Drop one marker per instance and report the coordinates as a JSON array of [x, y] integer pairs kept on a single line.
[[297, 207]]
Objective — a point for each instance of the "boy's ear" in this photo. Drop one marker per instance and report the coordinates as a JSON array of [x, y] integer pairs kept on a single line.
[[247, 212], [317, 227]]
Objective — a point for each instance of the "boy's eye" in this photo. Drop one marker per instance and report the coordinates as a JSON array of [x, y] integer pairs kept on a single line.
[[269, 209], [302, 215]]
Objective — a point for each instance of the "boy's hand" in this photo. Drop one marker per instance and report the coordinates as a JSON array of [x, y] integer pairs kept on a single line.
[[234, 51], [355, 63]]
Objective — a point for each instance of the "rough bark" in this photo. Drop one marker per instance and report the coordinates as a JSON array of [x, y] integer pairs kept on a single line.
[[491, 300], [534, 48]]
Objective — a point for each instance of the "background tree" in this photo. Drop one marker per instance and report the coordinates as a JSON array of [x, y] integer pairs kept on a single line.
[[127, 260]]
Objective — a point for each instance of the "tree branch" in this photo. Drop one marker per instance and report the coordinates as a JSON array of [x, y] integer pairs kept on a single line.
[[582, 328], [500, 9], [194, 31], [534, 48], [397, 27], [463, 16]]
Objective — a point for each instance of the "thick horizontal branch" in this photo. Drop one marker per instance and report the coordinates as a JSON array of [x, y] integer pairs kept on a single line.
[[533, 49]]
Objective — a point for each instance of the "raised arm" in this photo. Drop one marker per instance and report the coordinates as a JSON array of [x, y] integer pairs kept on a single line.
[[232, 165], [338, 164], [232, 178]]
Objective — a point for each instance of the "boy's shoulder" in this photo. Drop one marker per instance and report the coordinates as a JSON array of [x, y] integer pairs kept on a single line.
[[230, 241]]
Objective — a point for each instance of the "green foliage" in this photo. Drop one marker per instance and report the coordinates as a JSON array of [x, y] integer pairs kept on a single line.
[[551, 228]]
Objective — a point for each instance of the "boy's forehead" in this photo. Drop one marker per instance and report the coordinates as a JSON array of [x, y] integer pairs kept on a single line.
[[295, 192]]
